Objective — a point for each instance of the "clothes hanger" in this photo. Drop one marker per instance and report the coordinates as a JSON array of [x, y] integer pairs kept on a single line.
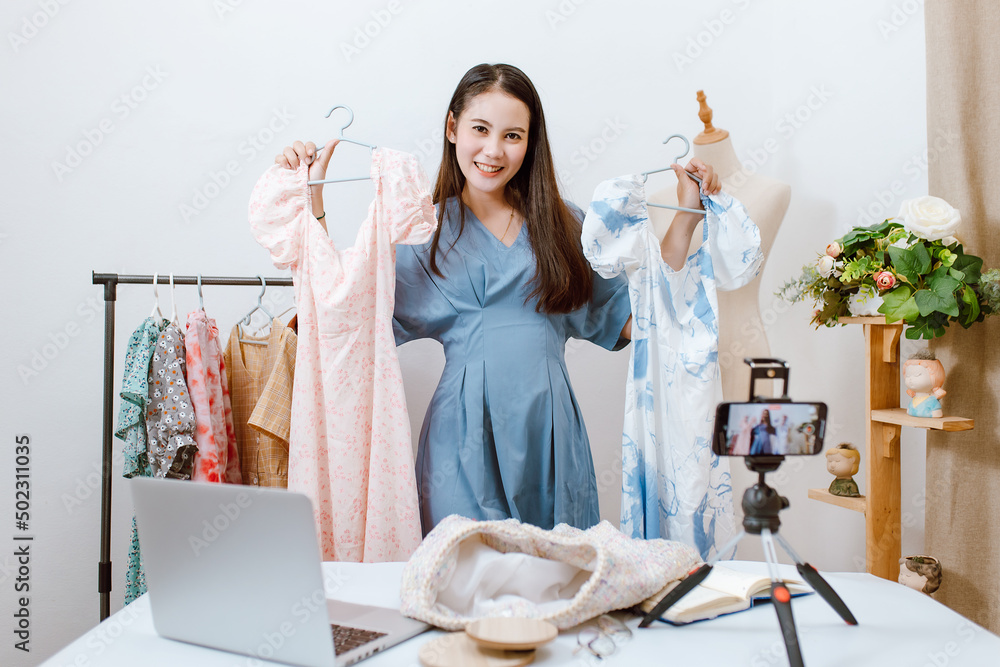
[[246, 318], [350, 120], [645, 175], [173, 302], [201, 299], [156, 297]]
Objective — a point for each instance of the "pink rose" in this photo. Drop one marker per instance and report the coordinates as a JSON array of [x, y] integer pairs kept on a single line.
[[885, 280], [834, 250]]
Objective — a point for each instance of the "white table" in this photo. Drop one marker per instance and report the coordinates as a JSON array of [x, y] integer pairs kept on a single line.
[[897, 627]]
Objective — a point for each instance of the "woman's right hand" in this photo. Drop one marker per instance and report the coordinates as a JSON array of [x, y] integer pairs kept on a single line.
[[292, 156]]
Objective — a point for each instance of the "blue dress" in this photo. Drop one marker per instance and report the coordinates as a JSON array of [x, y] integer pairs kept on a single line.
[[761, 445], [503, 435]]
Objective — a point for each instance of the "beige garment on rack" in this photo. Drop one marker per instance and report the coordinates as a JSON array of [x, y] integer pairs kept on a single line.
[[260, 388]]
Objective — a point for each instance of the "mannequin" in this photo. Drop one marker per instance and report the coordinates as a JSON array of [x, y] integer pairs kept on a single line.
[[741, 331]]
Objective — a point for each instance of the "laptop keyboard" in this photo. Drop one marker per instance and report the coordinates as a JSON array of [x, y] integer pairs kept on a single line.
[[346, 638]]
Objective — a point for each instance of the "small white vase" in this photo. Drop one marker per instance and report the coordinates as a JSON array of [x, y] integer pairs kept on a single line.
[[865, 303]]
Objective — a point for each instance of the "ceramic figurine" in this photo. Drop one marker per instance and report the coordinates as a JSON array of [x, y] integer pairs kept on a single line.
[[921, 573], [924, 378], [843, 462]]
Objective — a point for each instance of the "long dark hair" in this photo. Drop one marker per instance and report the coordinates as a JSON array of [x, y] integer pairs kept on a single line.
[[562, 280]]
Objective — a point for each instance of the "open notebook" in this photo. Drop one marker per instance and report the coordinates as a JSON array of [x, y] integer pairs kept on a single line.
[[723, 591]]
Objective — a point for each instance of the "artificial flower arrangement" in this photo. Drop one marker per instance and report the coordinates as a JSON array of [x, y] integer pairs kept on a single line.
[[910, 268]]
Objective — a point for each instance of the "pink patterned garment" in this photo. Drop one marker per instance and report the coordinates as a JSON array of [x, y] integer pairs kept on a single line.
[[217, 459], [350, 448]]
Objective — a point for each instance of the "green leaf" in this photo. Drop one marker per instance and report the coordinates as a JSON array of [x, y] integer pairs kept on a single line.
[[969, 298], [899, 305], [911, 263], [930, 301], [970, 265], [956, 274], [942, 283]]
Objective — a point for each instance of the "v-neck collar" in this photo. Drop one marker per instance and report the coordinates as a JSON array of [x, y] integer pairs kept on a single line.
[[498, 243]]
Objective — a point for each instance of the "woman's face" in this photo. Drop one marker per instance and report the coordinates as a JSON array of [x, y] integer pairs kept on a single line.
[[491, 139], [764, 417]]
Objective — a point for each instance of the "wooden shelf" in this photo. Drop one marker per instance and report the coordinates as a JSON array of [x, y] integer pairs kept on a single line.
[[823, 495], [880, 319], [900, 417]]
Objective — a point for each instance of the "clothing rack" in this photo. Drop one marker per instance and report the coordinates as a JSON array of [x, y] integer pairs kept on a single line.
[[111, 282]]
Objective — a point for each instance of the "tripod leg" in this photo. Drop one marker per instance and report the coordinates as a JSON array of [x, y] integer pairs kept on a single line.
[[694, 578], [818, 583], [782, 601], [810, 574]]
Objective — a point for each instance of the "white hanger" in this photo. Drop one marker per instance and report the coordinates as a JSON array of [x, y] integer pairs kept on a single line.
[[342, 138], [246, 318], [645, 175], [173, 302], [156, 298]]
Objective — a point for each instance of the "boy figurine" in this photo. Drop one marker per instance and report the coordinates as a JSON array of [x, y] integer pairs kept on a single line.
[[924, 378], [843, 462]]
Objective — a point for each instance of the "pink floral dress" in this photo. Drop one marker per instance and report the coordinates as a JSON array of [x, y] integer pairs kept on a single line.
[[350, 449], [216, 459]]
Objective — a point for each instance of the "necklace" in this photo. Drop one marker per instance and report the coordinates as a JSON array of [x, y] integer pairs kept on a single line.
[[508, 224]]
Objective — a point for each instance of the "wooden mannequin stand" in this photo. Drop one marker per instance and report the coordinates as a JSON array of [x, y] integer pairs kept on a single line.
[[881, 505]]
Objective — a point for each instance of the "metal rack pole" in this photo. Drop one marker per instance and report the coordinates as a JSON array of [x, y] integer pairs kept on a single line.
[[111, 282]]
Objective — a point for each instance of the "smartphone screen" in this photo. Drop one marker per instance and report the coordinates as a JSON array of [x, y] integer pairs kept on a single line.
[[769, 429]]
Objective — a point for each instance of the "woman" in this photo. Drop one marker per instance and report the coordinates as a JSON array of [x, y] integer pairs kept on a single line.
[[762, 433], [503, 285]]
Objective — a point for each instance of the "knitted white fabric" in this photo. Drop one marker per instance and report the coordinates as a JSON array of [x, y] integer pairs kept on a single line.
[[602, 570]]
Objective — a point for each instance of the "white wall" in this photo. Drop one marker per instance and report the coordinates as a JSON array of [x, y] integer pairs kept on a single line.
[[159, 99]]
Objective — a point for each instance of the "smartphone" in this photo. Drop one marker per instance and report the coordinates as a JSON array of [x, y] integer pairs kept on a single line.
[[769, 429]]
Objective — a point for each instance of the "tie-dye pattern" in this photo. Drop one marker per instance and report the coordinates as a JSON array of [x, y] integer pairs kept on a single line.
[[673, 486]]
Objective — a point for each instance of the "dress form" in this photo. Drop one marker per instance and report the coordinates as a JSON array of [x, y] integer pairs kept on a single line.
[[742, 332]]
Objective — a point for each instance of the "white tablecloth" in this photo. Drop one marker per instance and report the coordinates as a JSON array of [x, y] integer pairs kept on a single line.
[[897, 627]]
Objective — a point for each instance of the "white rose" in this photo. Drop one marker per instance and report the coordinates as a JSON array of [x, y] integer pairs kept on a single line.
[[825, 265], [930, 218]]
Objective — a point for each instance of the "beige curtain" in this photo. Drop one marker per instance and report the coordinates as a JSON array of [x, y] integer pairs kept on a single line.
[[963, 469]]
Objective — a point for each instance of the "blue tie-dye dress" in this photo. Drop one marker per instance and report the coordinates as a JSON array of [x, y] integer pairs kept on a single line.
[[673, 486]]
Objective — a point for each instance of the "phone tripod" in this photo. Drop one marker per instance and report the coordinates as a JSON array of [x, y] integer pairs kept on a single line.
[[761, 505]]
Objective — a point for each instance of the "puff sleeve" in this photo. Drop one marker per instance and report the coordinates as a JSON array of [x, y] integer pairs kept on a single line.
[[614, 227], [280, 208], [407, 199], [602, 318], [733, 241]]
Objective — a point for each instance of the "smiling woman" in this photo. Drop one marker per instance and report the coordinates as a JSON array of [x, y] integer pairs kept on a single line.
[[502, 285]]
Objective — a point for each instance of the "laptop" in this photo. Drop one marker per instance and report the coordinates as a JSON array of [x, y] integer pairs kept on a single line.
[[237, 568]]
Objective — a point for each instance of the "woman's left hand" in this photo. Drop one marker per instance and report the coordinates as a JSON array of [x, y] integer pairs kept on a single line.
[[688, 194]]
